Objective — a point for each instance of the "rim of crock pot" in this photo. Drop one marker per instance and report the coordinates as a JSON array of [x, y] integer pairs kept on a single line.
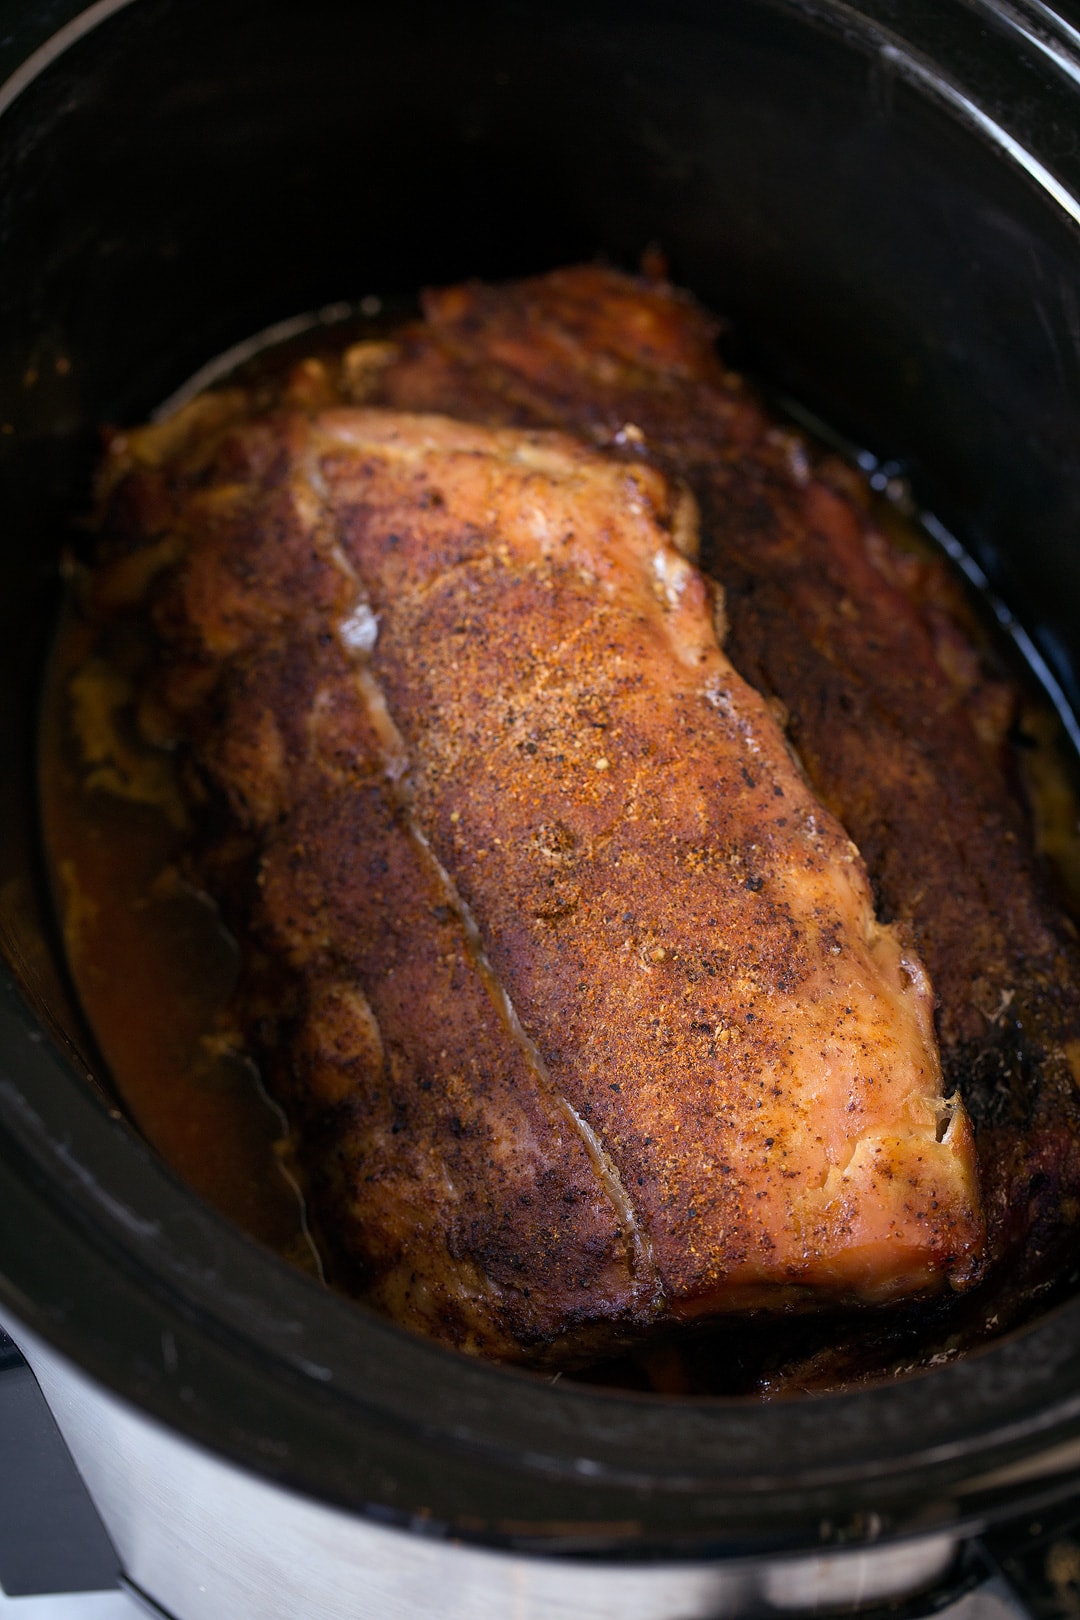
[[252, 1360], [909, 63], [1053, 42], [83, 23]]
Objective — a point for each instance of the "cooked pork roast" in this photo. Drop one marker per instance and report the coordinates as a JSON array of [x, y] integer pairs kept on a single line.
[[870, 657], [572, 987]]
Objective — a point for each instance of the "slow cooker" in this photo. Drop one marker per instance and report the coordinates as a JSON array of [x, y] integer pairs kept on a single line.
[[883, 199]]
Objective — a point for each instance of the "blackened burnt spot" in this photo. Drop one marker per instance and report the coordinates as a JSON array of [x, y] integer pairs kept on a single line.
[[998, 1077]]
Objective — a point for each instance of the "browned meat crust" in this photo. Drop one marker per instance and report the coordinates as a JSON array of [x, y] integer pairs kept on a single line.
[[901, 729], [576, 991]]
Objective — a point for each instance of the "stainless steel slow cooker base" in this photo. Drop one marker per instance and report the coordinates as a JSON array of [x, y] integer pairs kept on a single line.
[[205, 1540]]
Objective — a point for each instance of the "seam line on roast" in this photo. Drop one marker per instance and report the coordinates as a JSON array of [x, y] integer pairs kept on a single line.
[[644, 1263], [395, 763], [396, 767]]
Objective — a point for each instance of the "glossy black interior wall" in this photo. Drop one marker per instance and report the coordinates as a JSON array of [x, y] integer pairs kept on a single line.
[[190, 172]]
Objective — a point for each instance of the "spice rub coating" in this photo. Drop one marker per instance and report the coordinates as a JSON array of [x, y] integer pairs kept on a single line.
[[582, 1007], [871, 660]]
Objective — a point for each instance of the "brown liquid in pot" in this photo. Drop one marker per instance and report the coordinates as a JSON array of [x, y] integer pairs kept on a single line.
[[154, 968]]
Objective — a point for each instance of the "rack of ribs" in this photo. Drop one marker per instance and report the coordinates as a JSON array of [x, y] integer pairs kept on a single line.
[[572, 988]]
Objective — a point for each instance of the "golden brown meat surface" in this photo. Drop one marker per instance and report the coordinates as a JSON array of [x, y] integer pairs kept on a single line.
[[574, 990], [867, 652]]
